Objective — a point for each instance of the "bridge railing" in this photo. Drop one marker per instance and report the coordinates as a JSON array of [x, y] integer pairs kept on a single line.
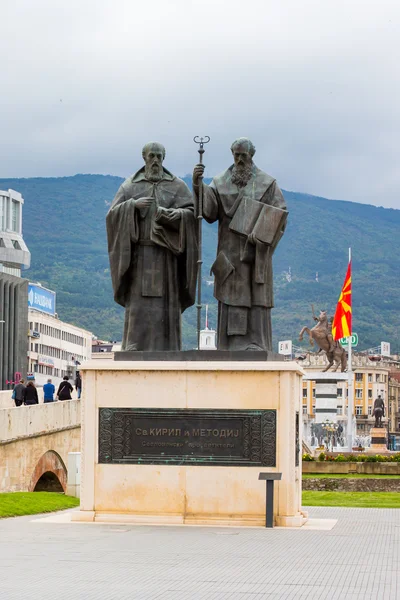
[[6, 400], [38, 419]]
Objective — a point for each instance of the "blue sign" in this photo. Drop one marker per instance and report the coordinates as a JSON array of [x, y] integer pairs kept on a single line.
[[41, 299]]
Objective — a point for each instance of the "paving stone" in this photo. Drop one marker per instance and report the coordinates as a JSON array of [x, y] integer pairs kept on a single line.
[[357, 560]]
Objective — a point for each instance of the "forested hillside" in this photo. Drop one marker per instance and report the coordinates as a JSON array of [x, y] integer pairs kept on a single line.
[[64, 227]]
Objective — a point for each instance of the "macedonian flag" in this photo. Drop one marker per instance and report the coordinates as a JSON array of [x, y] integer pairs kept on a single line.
[[341, 326]]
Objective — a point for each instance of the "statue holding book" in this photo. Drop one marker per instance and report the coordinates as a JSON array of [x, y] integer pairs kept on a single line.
[[251, 212]]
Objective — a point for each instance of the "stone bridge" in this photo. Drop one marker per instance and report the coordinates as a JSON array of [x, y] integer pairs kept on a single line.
[[35, 442]]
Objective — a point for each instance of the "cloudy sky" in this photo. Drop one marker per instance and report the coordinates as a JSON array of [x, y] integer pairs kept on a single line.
[[314, 83]]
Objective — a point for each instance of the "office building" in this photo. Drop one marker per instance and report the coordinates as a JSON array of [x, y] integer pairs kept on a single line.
[[14, 256], [56, 348]]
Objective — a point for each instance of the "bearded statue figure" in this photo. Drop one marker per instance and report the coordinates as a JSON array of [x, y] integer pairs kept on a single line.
[[251, 213], [153, 253]]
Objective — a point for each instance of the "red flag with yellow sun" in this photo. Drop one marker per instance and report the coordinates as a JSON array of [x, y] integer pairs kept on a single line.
[[341, 326]]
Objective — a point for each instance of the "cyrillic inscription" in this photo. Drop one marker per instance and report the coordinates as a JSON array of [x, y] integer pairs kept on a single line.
[[179, 436]]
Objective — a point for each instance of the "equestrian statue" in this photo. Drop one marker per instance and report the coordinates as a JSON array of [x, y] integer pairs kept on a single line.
[[321, 334]]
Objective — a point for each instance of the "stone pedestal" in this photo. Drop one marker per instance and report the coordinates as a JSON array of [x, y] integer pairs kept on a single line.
[[326, 401], [378, 440], [184, 442]]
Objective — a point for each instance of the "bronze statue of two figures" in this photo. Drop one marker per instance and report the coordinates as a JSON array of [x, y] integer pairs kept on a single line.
[[154, 252]]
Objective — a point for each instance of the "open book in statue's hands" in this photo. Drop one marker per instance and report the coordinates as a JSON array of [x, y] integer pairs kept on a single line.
[[262, 221]]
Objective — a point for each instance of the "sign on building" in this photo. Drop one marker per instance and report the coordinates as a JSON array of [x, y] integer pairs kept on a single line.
[[46, 361], [385, 348], [41, 299], [285, 347], [354, 341]]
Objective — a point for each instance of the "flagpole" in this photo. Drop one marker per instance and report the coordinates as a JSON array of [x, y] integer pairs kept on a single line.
[[350, 388]]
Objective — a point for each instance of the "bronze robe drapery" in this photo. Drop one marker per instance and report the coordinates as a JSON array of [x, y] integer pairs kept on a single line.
[[153, 254], [243, 271]]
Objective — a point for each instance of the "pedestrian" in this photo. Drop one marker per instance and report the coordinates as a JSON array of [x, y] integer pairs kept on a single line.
[[78, 384], [48, 391], [30, 394], [64, 389], [18, 392]]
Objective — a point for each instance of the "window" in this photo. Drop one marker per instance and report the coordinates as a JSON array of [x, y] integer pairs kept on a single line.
[[369, 411], [369, 393], [340, 410], [15, 217], [304, 409], [313, 408], [369, 377], [359, 377], [377, 377], [358, 411], [313, 393], [339, 392], [304, 392], [359, 393]]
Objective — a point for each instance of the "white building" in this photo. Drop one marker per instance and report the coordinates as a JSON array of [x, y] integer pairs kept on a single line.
[[14, 256], [208, 337], [13, 251], [56, 348]]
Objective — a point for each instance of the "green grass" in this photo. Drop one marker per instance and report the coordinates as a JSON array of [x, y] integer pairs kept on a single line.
[[17, 504], [347, 476], [352, 499]]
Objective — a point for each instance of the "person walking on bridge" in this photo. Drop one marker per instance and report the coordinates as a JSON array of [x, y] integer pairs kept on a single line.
[[30, 394], [48, 391], [19, 393], [64, 389]]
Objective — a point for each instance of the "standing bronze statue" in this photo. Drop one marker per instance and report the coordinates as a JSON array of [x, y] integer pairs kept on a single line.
[[251, 212], [153, 252], [379, 411]]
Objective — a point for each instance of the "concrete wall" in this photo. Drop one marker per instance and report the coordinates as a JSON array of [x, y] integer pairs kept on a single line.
[[36, 439], [336, 484], [351, 467], [26, 421]]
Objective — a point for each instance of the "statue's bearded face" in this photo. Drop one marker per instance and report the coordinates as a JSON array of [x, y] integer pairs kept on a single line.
[[242, 168], [153, 160]]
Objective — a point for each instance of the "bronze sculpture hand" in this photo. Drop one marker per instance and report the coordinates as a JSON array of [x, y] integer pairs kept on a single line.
[[198, 173]]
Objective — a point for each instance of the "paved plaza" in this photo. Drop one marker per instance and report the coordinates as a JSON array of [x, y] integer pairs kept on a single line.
[[358, 558]]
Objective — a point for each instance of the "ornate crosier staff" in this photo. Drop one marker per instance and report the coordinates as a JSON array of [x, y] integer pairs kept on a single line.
[[201, 141]]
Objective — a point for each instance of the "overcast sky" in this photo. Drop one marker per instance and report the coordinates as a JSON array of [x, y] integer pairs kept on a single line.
[[314, 83]]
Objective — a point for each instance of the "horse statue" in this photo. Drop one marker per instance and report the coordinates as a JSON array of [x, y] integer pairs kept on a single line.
[[321, 334], [379, 411]]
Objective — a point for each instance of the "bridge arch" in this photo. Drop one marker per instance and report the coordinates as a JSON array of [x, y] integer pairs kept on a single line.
[[48, 470]]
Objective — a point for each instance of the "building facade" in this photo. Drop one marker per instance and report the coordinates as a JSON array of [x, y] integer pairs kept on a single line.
[[371, 379], [14, 256], [56, 349]]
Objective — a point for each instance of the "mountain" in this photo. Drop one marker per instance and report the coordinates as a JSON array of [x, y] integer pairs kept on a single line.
[[64, 227]]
